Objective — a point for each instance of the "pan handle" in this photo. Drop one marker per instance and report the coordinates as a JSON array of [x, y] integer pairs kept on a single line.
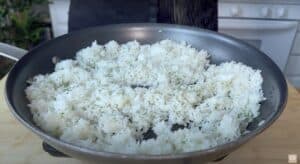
[[11, 52]]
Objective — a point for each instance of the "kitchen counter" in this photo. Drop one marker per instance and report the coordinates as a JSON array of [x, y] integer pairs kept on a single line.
[[19, 146]]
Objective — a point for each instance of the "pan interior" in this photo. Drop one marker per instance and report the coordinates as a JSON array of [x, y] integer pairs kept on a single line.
[[39, 60]]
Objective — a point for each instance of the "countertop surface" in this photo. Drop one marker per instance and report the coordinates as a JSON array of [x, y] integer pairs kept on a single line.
[[19, 146]]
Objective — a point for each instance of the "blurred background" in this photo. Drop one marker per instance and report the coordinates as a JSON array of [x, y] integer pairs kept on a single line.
[[270, 25], [23, 23]]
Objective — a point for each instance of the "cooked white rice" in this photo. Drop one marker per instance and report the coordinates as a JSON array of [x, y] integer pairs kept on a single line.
[[147, 99]]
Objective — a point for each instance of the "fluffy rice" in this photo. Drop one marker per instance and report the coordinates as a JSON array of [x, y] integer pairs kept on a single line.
[[146, 99]]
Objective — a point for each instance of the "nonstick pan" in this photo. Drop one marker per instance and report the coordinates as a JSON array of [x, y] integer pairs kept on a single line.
[[222, 48]]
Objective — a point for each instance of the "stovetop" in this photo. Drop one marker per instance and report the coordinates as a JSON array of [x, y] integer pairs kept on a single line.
[[260, 9], [264, 1]]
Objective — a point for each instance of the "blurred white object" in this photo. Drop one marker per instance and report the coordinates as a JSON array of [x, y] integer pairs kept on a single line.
[[59, 13], [235, 11]]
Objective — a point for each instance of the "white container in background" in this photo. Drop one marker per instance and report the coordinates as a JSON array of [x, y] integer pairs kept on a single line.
[[59, 13]]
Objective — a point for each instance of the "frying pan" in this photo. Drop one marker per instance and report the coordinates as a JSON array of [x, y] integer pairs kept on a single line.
[[222, 48]]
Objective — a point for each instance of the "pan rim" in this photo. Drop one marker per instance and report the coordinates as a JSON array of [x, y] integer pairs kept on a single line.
[[232, 144]]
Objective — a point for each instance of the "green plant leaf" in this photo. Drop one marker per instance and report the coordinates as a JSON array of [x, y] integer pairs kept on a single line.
[[19, 24]]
